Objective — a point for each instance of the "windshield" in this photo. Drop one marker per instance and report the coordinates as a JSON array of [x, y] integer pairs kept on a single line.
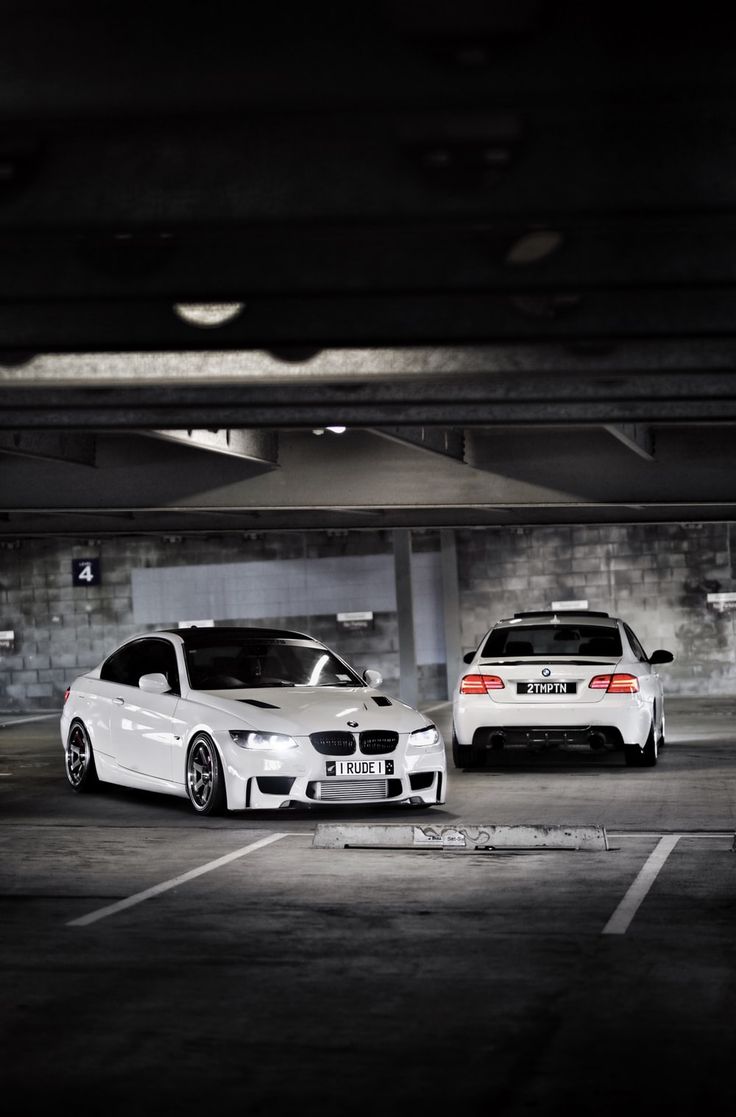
[[238, 664], [553, 639]]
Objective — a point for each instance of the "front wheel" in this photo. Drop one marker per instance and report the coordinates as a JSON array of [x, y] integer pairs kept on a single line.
[[205, 782], [79, 760]]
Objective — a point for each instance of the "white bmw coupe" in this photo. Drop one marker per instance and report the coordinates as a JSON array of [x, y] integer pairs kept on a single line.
[[560, 681], [239, 718]]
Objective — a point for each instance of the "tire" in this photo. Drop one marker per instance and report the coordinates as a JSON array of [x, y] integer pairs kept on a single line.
[[79, 760], [204, 778], [642, 756], [465, 756], [650, 751]]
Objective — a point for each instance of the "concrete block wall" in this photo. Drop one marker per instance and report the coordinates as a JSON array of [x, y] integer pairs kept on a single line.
[[63, 629], [655, 576]]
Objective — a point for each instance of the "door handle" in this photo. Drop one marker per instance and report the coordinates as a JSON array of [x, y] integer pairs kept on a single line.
[[119, 701]]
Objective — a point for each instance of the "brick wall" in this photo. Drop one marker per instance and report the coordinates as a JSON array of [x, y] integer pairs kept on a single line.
[[63, 629], [655, 576]]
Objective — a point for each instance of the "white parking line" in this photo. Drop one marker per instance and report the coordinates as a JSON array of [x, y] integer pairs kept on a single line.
[[139, 897], [436, 706], [619, 922], [22, 721]]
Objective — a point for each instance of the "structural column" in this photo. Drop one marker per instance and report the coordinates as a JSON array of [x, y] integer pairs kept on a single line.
[[408, 682], [450, 608]]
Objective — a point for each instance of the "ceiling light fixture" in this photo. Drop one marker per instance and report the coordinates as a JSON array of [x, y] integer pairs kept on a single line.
[[208, 316], [534, 246]]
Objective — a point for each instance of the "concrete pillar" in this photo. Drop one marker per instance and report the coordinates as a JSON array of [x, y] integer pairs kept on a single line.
[[451, 608], [408, 680]]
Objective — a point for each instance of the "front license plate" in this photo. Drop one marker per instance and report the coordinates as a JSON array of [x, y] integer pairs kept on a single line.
[[359, 768], [546, 688]]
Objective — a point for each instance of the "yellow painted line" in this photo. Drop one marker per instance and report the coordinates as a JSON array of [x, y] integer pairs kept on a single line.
[[621, 919], [158, 889]]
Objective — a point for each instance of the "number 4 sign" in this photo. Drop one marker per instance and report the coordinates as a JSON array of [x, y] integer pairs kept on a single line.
[[86, 572]]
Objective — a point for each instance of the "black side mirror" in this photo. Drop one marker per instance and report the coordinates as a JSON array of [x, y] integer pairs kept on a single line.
[[468, 657], [661, 656]]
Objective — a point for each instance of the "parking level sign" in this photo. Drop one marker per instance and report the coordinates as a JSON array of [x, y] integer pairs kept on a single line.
[[86, 572]]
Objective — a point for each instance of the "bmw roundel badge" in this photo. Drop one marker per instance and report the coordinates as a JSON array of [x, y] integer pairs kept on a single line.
[[353, 724], [546, 672]]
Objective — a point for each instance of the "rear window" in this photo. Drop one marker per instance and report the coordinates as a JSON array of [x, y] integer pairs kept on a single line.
[[553, 639]]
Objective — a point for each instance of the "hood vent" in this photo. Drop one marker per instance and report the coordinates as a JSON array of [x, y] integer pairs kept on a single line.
[[381, 700], [257, 702]]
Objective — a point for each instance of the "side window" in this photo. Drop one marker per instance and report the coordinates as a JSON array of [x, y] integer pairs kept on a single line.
[[636, 647], [143, 657], [120, 667], [160, 656]]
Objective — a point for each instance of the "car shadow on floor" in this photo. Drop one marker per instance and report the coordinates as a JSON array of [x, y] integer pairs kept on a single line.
[[549, 760]]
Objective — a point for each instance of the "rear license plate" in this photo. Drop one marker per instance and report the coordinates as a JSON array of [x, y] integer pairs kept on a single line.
[[359, 768], [546, 688]]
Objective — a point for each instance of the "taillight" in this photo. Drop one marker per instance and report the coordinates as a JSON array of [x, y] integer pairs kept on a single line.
[[615, 684], [67, 693], [480, 684]]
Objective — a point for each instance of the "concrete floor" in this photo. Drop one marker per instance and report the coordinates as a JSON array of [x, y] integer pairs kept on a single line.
[[379, 980]]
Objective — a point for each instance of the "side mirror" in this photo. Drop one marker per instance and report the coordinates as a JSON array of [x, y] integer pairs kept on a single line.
[[156, 683], [372, 678], [468, 657], [661, 656]]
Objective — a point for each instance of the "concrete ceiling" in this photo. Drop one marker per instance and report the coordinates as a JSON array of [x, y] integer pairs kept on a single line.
[[496, 241]]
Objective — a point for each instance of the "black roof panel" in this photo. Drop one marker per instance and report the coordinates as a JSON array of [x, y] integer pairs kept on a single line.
[[201, 637]]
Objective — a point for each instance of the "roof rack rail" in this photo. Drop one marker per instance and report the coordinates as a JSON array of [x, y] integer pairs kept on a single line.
[[560, 613]]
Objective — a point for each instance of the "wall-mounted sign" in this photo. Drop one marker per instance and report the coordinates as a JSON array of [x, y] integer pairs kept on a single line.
[[86, 572], [7, 640], [569, 605], [355, 620], [722, 600]]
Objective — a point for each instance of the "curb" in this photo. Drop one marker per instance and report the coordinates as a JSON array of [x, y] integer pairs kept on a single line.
[[460, 838]]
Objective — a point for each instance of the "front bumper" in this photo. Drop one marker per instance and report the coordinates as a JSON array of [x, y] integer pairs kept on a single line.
[[259, 780]]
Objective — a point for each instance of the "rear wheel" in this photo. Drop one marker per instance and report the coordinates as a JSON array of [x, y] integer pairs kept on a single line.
[[642, 756], [79, 760], [466, 756], [650, 751], [205, 782]]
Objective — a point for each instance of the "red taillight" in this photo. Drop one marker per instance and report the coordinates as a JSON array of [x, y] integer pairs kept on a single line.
[[615, 684], [67, 693], [480, 684]]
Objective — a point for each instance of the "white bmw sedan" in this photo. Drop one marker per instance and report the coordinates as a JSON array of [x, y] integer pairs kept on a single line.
[[560, 680], [239, 718]]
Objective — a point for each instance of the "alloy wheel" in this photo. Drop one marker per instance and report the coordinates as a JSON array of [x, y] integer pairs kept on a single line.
[[77, 756], [200, 774]]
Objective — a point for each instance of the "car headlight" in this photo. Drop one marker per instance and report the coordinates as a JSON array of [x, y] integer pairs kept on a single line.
[[426, 738], [268, 742]]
